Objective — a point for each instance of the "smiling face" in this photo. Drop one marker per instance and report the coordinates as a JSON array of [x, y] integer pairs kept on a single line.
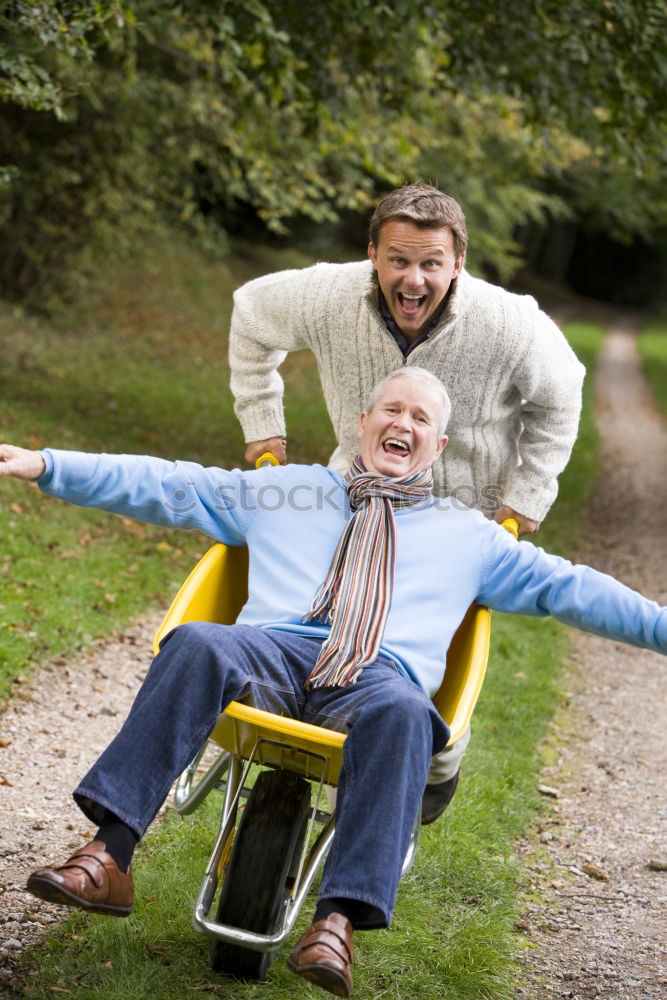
[[400, 435], [415, 268]]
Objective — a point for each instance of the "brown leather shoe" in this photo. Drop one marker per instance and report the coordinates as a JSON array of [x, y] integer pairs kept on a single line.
[[90, 880], [324, 955]]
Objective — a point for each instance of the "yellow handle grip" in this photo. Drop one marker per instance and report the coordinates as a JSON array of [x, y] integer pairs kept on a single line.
[[512, 525], [266, 458]]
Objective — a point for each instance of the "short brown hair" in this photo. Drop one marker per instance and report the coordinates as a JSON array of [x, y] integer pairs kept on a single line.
[[424, 206]]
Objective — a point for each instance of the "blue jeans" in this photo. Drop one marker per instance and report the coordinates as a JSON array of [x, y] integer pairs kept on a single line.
[[393, 731]]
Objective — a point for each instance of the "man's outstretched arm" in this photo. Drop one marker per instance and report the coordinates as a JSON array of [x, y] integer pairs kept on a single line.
[[181, 495], [521, 578], [21, 462]]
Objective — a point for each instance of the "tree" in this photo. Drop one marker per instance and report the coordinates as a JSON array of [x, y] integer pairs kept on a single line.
[[117, 115]]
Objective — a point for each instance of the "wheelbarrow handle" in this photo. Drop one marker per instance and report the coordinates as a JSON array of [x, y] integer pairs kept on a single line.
[[265, 459], [512, 525]]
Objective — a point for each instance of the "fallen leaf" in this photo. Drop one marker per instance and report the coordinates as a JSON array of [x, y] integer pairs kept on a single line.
[[5, 743], [658, 864], [5, 781], [108, 964], [547, 790], [110, 598], [594, 871], [16, 508]]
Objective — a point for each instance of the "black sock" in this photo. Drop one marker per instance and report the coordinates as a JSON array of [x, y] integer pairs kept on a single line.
[[118, 838], [362, 916]]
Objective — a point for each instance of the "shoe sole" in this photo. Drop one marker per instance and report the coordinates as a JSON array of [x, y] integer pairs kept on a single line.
[[50, 893], [324, 977]]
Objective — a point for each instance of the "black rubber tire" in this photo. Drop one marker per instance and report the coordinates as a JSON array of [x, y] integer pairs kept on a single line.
[[256, 885]]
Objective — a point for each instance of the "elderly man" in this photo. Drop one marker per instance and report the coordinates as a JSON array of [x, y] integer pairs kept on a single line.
[[317, 641], [514, 382]]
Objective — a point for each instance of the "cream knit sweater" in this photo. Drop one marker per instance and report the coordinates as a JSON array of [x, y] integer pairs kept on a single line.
[[514, 381]]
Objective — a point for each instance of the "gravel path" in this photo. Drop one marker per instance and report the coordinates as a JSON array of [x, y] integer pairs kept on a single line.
[[51, 732], [597, 927]]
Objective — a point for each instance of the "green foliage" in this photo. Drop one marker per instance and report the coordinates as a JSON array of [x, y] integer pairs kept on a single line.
[[180, 116], [48, 46], [597, 67], [118, 116], [482, 151]]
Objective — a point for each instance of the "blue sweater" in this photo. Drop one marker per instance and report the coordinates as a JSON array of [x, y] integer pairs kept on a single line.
[[291, 518]]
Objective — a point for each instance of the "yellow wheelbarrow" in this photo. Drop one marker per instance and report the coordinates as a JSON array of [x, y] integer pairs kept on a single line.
[[266, 856]]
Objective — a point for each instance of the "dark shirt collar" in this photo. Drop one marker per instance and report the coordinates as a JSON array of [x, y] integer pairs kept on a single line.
[[396, 332]]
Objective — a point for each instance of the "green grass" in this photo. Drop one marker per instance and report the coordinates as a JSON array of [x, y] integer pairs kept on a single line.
[[142, 368], [453, 935], [652, 345]]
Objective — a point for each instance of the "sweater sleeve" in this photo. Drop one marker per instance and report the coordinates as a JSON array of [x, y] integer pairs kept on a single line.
[[268, 320], [522, 578], [178, 494], [549, 377]]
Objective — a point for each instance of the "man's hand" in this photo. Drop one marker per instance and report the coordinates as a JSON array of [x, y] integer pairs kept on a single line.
[[526, 526], [277, 445], [20, 462]]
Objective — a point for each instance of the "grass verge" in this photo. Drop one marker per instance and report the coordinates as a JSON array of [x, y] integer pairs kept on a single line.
[[453, 934], [652, 345], [113, 379]]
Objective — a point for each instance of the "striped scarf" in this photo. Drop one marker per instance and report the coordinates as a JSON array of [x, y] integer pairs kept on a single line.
[[356, 593]]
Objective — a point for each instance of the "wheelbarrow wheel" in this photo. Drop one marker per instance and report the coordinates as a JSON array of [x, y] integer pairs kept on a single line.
[[258, 879]]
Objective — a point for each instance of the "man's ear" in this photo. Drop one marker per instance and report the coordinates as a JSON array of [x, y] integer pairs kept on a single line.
[[362, 423], [458, 265], [442, 444], [372, 255]]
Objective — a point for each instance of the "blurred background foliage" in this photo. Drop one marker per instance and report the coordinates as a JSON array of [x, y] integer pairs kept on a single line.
[[226, 117]]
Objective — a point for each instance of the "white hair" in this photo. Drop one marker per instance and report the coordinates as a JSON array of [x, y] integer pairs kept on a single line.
[[411, 371]]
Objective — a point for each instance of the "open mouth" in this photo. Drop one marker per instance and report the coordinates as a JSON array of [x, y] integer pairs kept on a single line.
[[393, 446], [411, 303]]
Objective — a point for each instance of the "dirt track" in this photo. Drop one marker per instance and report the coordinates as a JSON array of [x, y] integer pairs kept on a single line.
[[602, 930]]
